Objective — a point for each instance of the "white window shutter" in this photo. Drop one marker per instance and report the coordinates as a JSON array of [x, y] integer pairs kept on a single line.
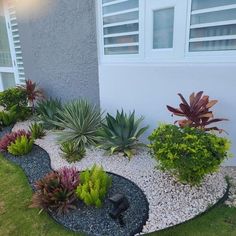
[[14, 38]]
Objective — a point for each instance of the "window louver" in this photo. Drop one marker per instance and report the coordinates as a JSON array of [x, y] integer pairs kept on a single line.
[[120, 26], [14, 35], [213, 25]]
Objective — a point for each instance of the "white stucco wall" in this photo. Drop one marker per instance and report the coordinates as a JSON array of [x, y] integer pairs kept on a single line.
[[148, 88]]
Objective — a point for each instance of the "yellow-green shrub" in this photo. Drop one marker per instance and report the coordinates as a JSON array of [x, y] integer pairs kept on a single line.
[[189, 153]]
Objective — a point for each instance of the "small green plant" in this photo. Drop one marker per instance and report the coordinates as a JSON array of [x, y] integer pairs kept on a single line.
[[81, 122], [21, 146], [12, 97], [7, 117], [72, 152], [48, 111], [188, 153], [93, 187], [37, 130], [121, 133]]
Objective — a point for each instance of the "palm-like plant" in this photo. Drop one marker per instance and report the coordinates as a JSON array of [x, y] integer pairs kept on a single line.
[[32, 91], [121, 133], [80, 122], [197, 112]]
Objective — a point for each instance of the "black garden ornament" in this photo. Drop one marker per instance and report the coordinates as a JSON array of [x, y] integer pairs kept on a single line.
[[121, 204]]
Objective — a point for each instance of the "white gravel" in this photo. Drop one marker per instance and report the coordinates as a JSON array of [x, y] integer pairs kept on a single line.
[[170, 202]]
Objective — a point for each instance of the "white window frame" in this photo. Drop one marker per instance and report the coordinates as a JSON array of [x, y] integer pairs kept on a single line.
[[182, 55], [177, 52]]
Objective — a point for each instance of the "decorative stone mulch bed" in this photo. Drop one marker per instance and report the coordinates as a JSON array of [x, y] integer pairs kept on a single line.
[[170, 202], [91, 220]]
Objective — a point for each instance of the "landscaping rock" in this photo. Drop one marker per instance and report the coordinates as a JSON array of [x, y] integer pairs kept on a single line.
[[170, 202]]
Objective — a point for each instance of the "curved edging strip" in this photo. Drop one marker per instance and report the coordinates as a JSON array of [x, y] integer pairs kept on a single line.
[[220, 201]]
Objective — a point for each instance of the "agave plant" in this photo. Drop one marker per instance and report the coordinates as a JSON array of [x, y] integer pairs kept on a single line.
[[32, 91], [80, 122], [56, 191], [48, 111], [197, 112], [121, 133]]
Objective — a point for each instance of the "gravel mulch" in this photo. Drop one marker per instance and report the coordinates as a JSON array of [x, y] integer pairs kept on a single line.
[[170, 202]]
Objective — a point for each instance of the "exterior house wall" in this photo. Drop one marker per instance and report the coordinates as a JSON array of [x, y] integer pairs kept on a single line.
[[60, 49], [148, 88]]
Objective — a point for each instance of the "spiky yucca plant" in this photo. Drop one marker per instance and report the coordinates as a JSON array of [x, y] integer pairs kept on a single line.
[[21, 146], [72, 152], [80, 121], [94, 185], [37, 130], [121, 133]]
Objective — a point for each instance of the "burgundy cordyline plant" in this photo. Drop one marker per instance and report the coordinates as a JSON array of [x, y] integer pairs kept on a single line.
[[197, 112], [7, 139], [33, 92]]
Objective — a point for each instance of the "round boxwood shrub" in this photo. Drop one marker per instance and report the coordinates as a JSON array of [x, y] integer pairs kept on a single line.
[[188, 153]]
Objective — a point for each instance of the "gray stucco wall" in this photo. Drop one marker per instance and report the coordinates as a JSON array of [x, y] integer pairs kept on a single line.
[[60, 49]]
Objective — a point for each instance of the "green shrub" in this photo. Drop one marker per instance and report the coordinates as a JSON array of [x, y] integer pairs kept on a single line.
[[188, 153], [93, 186], [80, 121], [121, 133], [72, 152], [37, 130], [48, 110], [21, 146], [12, 97]]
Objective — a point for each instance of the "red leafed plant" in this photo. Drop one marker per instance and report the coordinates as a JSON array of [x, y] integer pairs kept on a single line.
[[197, 112], [7, 139], [56, 191], [32, 91]]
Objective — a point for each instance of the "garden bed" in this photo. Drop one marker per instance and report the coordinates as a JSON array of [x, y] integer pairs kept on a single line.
[[170, 202], [90, 220]]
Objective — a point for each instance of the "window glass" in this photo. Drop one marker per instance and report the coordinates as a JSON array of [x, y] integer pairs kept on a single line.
[[163, 26], [121, 17], [121, 50], [216, 16], [201, 4], [120, 6], [121, 39], [5, 55], [217, 45], [121, 29]]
